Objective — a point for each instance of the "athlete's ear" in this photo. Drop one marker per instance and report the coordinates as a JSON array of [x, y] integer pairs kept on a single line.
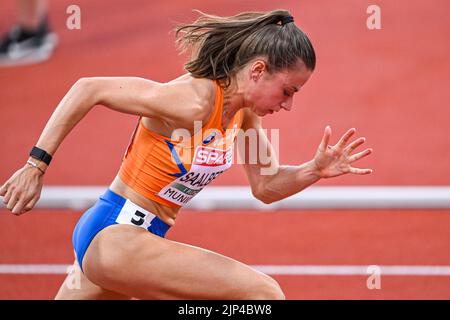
[[257, 69]]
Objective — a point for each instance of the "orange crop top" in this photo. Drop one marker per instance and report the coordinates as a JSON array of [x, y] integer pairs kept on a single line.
[[172, 171]]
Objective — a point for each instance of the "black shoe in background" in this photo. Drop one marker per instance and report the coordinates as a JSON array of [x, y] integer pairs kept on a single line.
[[20, 46]]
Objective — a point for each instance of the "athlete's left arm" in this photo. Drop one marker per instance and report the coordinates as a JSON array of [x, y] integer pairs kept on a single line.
[[271, 181]]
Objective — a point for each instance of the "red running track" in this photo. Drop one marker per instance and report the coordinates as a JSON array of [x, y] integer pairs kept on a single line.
[[270, 238]]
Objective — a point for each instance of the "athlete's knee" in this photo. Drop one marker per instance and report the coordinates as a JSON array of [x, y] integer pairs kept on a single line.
[[267, 289], [272, 291]]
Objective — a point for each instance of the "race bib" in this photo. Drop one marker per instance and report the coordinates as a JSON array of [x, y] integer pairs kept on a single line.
[[207, 165], [133, 214]]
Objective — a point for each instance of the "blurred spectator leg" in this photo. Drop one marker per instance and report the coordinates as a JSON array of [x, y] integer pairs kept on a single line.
[[30, 40]]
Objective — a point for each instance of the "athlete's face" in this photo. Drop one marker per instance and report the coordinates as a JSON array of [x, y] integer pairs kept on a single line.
[[270, 92]]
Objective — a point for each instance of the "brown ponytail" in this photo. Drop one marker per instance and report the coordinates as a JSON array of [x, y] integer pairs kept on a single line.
[[223, 45]]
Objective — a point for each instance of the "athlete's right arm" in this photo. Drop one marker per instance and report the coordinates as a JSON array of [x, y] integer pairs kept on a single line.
[[125, 94]]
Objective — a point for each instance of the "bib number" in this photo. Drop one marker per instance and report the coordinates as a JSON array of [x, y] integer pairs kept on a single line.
[[134, 215]]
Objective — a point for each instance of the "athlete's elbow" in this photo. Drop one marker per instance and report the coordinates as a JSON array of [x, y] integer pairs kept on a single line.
[[85, 88], [266, 200], [263, 195], [84, 83]]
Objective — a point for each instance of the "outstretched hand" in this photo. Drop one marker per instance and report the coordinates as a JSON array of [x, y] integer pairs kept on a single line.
[[333, 161]]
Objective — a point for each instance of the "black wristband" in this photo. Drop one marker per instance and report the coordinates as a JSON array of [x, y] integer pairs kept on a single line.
[[41, 155]]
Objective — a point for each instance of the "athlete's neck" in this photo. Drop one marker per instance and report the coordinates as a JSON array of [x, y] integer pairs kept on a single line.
[[233, 101]]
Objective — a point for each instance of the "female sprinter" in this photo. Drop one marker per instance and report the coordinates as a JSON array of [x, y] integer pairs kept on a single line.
[[242, 68]]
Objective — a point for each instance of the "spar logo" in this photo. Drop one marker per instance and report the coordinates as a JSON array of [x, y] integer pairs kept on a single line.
[[212, 157], [209, 138]]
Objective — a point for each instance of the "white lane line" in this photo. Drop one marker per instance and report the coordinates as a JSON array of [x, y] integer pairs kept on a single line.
[[349, 270], [240, 197], [304, 270], [34, 268]]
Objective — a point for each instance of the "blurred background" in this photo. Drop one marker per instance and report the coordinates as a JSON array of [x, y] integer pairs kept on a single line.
[[389, 83]]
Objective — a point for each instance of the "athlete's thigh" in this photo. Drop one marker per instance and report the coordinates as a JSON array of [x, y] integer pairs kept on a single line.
[[137, 263], [77, 286]]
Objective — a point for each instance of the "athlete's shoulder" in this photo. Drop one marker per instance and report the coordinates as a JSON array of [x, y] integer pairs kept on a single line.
[[196, 94]]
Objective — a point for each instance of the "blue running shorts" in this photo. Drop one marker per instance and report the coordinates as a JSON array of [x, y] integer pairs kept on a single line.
[[111, 209]]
